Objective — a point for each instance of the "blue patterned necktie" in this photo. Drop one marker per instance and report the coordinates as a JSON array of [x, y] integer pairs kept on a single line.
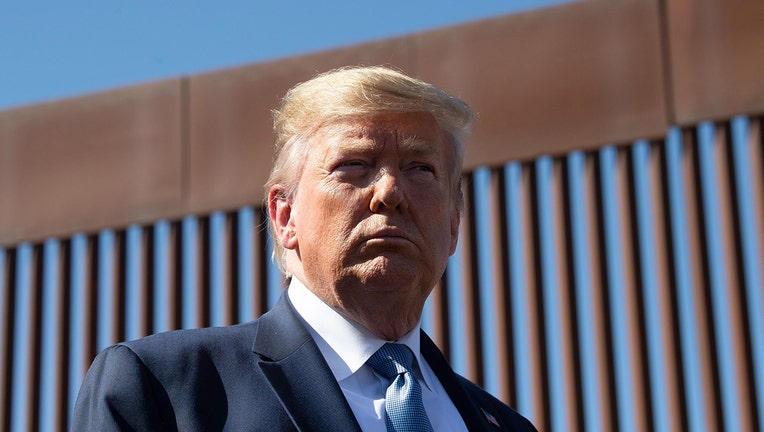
[[403, 399]]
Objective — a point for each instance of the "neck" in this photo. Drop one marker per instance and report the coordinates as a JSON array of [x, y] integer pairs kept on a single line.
[[386, 326], [388, 310]]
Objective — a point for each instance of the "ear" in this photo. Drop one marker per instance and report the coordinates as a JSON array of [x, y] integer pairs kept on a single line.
[[456, 217], [282, 221]]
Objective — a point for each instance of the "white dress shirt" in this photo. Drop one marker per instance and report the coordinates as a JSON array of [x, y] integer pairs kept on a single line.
[[346, 345]]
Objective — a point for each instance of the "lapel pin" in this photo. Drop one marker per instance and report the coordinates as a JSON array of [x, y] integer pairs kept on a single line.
[[491, 419]]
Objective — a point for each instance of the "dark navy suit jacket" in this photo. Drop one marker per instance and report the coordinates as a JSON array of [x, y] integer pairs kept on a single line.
[[267, 375]]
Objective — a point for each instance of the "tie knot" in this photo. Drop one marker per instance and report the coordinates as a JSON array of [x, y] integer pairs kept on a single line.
[[391, 360]]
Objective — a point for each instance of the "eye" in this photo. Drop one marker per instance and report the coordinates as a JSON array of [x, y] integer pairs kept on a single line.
[[422, 171], [421, 167], [351, 169], [352, 163]]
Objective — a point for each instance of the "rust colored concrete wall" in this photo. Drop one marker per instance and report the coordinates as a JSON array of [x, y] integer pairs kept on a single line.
[[87, 163]]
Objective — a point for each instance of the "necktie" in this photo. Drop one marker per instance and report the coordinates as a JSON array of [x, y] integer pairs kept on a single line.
[[403, 399]]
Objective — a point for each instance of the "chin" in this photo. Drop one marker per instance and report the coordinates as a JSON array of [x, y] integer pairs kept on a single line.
[[397, 270]]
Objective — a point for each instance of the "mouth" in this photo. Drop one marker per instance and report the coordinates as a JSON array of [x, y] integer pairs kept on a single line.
[[387, 236]]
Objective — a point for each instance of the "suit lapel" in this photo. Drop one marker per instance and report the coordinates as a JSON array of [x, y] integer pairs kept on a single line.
[[298, 373], [474, 416]]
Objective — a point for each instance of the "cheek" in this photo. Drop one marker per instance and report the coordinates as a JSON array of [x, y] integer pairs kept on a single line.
[[433, 219], [330, 214]]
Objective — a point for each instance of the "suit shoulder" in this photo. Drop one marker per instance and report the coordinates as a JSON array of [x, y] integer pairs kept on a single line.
[[120, 393], [507, 415], [196, 336], [189, 343]]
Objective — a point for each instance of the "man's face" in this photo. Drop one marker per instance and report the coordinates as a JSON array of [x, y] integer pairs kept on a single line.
[[375, 217]]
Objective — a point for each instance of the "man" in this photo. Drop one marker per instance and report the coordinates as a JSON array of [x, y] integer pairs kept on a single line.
[[364, 201]]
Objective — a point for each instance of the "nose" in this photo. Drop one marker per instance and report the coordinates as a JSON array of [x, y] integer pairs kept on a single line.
[[387, 192]]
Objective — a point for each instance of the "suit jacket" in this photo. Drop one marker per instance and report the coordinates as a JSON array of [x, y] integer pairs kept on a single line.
[[265, 375]]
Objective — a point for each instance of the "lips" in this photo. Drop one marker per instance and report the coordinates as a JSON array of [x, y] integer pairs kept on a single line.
[[387, 236]]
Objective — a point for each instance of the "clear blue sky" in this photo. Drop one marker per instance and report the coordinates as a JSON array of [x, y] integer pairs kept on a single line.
[[56, 49]]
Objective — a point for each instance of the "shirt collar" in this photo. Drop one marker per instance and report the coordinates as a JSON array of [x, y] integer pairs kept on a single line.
[[345, 344]]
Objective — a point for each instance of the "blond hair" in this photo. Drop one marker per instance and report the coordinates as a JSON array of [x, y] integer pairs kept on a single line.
[[356, 91]]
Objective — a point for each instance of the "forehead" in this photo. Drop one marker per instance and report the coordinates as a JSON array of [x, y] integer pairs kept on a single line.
[[408, 131]]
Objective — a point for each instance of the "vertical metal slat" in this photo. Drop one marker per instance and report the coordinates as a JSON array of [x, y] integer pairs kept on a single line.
[[483, 247], [191, 310], [50, 391], [584, 301], [22, 388], [5, 325], [162, 289], [79, 355], [559, 402], [106, 330], [218, 270], [245, 257], [472, 343], [454, 292], [665, 293], [618, 298], [134, 292], [746, 152], [500, 288]]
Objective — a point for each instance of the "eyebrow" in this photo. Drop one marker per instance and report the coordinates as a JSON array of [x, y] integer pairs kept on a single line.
[[417, 146]]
